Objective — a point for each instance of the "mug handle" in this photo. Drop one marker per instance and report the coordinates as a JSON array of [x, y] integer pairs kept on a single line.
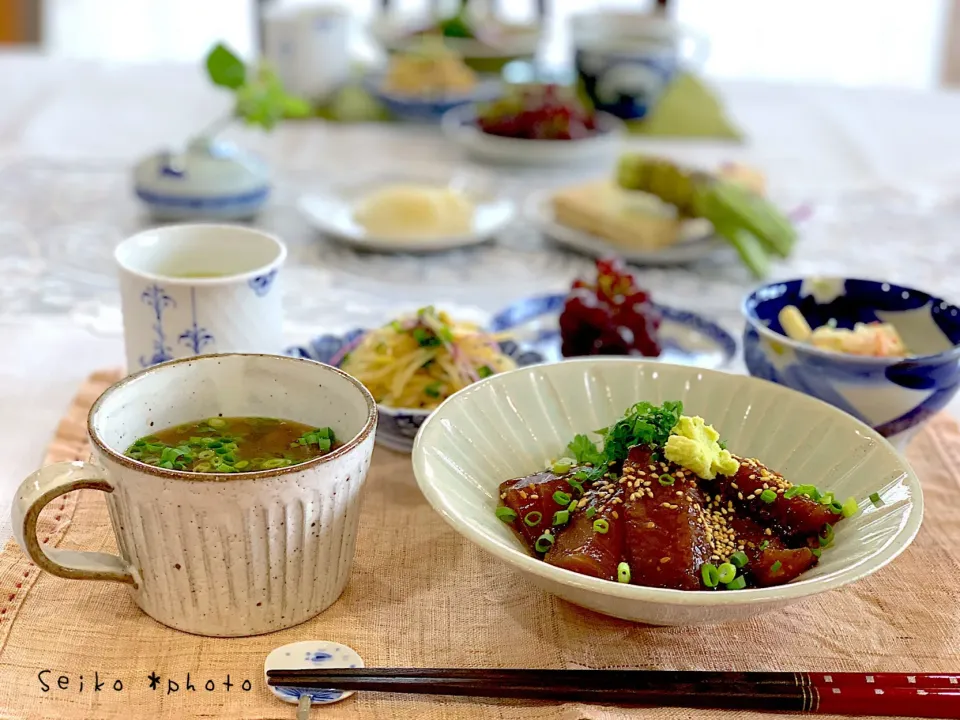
[[34, 494]]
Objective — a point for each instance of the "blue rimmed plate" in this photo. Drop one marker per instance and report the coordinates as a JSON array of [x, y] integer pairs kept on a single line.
[[413, 108], [398, 426], [686, 337]]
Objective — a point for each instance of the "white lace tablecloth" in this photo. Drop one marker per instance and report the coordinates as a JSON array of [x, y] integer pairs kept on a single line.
[[880, 169]]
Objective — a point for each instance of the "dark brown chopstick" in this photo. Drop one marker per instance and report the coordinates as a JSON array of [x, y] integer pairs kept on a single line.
[[890, 694]]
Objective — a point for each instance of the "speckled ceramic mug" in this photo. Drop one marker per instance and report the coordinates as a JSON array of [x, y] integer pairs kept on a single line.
[[221, 555]]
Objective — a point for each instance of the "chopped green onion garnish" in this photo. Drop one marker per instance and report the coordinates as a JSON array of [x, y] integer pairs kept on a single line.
[[738, 583], [710, 575], [739, 559], [667, 479], [544, 542], [791, 492], [563, 466], [241, 465], [776, 567], [836, 508], [817, 552], [201, 467], [572, 506], [827, 498], [654, 457], [601, 525], [506, 514], [533, 518], [623, 573], [876, 500], [484, 371], [433, 389], [561, 517], [561, 498], [764, 545], [216, 422], [726, 572], [827, 536], [591, 511], [768, 495]]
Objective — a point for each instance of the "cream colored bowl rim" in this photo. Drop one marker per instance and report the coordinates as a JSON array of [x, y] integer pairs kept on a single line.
[[517, 558]]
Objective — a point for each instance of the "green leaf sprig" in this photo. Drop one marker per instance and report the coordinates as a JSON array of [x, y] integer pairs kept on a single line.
[[261, 99], [642, 424]]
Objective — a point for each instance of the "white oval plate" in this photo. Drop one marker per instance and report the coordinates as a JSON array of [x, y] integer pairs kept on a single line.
[[697, 240], [459, 125], [331, 212]]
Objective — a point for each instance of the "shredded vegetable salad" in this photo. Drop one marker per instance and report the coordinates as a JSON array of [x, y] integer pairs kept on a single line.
[[874, 339], [419, 361]]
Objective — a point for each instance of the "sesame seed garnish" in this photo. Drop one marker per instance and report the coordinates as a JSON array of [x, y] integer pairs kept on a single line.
[[740, 495], [650, 525], [523, 495], [534, 497], [665, 559], [614, 515]]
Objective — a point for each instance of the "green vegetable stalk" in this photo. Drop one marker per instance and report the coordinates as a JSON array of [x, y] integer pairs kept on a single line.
[[753, 225], [261, 99]]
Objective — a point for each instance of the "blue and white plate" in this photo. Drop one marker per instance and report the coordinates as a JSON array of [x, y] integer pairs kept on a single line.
[[893, 395], [686, 338], [412, 108], [397, 426]]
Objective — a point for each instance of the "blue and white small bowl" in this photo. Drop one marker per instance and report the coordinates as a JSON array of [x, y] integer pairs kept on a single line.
[[397, 427], [209, 180], [893, 395], [427, 109]]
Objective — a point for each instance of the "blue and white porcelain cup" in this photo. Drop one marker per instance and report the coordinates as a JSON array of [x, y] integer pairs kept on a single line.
[[625, 61], [198, 289]]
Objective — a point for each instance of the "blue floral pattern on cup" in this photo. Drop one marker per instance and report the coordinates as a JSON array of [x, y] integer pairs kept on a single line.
[[261, 284], [397, 427], [893, 395], [158, 299], [195, 337]]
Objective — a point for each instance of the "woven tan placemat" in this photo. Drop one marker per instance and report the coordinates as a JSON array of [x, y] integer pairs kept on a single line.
[[422, 596]]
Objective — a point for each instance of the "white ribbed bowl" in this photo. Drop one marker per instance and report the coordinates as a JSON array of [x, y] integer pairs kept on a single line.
[[514, 423]]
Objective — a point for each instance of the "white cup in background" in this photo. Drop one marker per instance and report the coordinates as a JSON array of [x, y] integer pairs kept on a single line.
[[198, 289], [309, 47]]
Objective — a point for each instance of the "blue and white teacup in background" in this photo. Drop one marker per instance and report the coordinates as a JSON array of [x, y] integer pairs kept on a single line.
[[895, 396], [308, 43], [625, 61], [198, 289]]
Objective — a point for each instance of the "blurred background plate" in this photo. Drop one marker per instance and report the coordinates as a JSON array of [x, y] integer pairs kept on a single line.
[[331, 211], [460, 126], [429, 109], [697, 238]]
